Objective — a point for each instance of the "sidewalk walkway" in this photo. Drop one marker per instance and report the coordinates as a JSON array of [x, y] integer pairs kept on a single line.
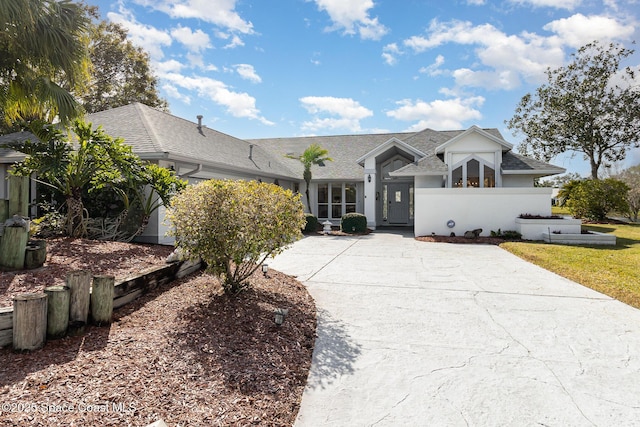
[[436, 334]]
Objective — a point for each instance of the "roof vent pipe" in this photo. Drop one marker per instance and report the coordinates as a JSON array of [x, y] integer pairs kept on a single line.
[[251, 151], [199, 117]]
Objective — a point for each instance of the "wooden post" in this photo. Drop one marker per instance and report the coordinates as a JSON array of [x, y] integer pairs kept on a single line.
[[13, 246], [29, 321], [18, 195], [57, 311], [4, 210], [36, 254], [102, 299], [79, 283]]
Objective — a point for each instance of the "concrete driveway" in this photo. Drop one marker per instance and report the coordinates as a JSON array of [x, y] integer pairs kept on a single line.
[[436, 334]]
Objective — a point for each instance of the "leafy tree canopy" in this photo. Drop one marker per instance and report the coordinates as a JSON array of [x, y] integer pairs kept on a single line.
[[42, 49], [120, 72], [591, 106]]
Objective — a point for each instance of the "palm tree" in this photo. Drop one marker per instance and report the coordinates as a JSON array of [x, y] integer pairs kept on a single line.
[[313, 155], [43, 44]]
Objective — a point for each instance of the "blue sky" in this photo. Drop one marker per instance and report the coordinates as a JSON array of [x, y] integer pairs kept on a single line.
[[328, 67]]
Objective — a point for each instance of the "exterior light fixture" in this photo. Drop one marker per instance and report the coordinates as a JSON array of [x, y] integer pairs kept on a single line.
[[279, 315], [265, 269], [369, 178]]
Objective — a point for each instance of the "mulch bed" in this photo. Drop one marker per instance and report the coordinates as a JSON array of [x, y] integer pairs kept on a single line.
[[185, 353]]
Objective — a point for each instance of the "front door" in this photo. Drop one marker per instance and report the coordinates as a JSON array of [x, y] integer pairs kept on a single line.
[[398, 201]]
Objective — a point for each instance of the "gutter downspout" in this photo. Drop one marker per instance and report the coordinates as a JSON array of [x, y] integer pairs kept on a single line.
[[192, 172]]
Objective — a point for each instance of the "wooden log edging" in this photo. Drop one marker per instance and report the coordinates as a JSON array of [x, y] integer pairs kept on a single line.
[[125, 291]]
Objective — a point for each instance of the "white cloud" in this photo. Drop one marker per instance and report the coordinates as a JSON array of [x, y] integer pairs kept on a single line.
[[508, 57], [558, 4], [238, 104], [578, 30], [390, 53], [194, 41], [476, 2], [438, 114], [218, 12], [434, 69], [173, 92], [170, 66], [352, 16], [247, 72], [235, 42], [151, 38], [349, 113]]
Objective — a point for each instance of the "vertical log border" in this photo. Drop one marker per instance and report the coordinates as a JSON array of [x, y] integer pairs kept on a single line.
[[125, 291]]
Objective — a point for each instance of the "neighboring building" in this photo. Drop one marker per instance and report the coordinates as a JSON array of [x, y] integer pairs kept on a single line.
[[435, 181]]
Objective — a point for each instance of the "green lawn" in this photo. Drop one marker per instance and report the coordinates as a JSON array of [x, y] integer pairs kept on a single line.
[[612, 270]]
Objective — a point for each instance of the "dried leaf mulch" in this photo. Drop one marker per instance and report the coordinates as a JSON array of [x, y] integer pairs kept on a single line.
[[184, 353], [65, 254]]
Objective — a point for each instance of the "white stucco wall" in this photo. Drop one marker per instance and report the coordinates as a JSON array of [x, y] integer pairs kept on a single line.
[[471, 208], [517, 181], [429, 181]]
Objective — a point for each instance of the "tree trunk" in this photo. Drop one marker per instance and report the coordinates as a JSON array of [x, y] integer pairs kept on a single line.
[[102, 299], [75, 216], [79, 283], [18, 195], [58, 311], [13, 245], [29, 321]]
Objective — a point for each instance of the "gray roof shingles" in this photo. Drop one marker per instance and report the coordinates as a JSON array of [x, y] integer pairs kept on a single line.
[[154, 133]]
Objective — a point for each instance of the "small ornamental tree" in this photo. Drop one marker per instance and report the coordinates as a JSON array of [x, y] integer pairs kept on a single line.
[[234, 226], [594, 199]]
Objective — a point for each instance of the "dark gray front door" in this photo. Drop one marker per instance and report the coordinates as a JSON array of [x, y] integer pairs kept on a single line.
[[398, 200]]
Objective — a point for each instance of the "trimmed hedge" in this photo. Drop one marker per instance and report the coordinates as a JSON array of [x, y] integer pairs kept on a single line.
[[353, 223], [312, 223]]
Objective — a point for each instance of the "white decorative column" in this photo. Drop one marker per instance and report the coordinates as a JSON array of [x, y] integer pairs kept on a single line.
[[370, 186]]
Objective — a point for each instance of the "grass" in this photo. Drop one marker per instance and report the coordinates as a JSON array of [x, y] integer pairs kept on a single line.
[[612, 270]]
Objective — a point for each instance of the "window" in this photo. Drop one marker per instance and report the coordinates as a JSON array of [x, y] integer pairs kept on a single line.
[[393, 165], [323, 200], [473, 173], [349, 198], [336, 199]]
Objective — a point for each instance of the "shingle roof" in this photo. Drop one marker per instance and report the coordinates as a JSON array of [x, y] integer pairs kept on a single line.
[[152, 132], [514, 162]]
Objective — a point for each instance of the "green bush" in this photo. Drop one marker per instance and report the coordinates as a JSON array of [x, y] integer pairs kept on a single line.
[[594, 199], [234, 226], [311, 224], [353, 223]]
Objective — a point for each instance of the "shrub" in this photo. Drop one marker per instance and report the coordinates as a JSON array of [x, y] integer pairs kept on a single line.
[[594, 199], [235, 225], [353, 223], [312, 223]]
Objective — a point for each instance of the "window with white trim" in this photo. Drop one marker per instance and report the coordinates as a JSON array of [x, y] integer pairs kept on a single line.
[[473, 172], [336, 199]]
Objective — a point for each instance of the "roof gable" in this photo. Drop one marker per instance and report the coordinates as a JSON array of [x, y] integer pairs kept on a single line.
[[474, 129], [392, 143]]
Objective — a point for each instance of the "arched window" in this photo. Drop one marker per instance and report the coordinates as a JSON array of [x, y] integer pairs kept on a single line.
[[473, 172], [393, 165]]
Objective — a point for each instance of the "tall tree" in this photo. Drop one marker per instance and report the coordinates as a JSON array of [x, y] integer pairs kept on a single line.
[[120, 72], [631, 177], [42, 43], [590, 106], [313, 155]]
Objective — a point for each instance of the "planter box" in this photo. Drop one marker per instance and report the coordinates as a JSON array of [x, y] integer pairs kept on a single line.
[[593, 238], [534, 229]]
